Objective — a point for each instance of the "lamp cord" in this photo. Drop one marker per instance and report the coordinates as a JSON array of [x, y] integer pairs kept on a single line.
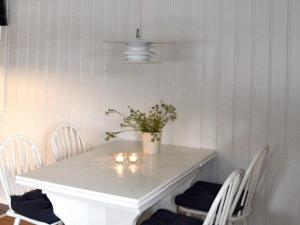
[[139, 29]]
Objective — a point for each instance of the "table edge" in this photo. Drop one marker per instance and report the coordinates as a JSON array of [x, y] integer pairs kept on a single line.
[[110, 199]]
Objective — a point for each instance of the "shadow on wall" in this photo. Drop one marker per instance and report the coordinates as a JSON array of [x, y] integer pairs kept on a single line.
[[225, 166]]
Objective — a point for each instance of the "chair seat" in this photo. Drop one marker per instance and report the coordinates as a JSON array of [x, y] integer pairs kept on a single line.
[[34, 205], [200, 196], [165, 217]]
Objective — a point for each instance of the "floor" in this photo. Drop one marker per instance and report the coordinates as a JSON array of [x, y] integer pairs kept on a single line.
[[10, 221]]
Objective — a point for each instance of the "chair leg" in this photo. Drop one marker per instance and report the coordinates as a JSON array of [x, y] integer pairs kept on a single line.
[[245, 221], [17, 221]]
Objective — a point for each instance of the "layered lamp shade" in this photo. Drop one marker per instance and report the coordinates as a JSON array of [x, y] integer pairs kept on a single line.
[[138, 51]]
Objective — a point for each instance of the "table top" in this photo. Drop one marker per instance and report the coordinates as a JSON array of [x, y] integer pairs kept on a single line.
[[97, 175]]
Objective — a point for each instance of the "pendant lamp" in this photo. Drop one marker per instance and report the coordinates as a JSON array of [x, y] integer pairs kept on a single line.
[[139, 50]]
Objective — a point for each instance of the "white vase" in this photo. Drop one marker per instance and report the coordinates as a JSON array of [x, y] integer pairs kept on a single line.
[[150, 147]]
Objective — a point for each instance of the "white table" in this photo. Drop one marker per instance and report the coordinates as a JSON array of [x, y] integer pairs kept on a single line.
[[91, 189]]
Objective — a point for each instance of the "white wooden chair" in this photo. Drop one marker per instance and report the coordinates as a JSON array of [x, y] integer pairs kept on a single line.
[[244, 197], [242, 204], [67, 142], [18, 155], [219, 211]]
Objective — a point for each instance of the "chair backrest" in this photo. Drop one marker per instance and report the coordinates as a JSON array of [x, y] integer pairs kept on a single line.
[[219, 211], [18, 155], [67, 142], [242, 204]]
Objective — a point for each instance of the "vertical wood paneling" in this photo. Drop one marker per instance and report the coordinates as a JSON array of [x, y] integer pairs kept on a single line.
[[277, 114], [166, 70], [211, 55], [210, 81], [100, 59], [148, 74], [225, 118], [260, 92], [203, 68], [292, 206], [233, 76], [3, 69], [219, 81], [11, 94], [243, 66], [41, 67], [195, 79], [286, 112], [179, 97]]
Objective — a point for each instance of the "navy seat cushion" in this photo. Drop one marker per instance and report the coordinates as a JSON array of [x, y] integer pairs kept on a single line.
[[165, 217], [3, 14], [201, 196], [34, 205]]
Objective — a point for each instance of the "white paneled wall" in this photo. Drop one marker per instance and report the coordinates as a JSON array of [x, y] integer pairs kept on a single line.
[[233, 76]]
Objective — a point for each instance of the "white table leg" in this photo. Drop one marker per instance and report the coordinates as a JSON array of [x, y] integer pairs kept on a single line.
[[118, 217], [74, 211]]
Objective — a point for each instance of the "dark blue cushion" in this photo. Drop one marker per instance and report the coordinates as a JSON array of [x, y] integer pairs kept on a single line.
[[165, 217], [3, 14], [34, 205], [200, 196]]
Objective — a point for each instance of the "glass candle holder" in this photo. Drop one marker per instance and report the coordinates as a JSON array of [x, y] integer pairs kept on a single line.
[[120, 157], [133, 157]]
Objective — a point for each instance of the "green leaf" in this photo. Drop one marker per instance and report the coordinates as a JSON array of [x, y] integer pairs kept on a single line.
[[152, 121]]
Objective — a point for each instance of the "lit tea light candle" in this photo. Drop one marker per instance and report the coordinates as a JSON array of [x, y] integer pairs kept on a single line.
[[120, 157], [133, 157]]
